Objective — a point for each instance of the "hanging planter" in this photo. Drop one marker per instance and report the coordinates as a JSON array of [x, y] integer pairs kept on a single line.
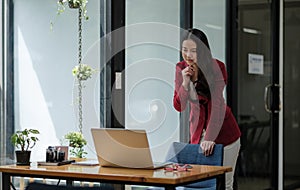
[[81, 72], [73, 4]]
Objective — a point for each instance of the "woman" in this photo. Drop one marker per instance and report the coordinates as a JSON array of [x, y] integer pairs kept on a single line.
[[200, 81]]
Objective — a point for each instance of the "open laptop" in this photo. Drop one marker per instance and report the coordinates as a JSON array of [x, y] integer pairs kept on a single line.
[[123, 148]]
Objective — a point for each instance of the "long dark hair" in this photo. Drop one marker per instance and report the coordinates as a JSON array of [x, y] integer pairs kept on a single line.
[[204, 61]]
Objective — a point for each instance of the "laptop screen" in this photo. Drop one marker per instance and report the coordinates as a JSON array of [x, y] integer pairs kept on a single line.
[[122, 147]]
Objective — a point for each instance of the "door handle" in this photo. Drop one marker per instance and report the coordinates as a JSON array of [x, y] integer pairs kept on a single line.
[[267, 108]]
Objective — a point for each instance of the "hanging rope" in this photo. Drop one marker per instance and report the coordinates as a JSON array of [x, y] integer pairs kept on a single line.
[[80, 68]]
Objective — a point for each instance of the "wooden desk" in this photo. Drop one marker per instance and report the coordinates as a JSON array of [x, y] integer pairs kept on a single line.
[[159, 177]]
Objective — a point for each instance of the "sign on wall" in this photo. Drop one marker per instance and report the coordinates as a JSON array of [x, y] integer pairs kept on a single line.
[[255, 64]]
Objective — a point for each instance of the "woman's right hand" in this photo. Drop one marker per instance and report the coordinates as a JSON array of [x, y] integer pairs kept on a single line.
[[186, 76]]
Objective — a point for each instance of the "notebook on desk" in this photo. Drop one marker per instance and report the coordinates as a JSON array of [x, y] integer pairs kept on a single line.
[[123, 148]]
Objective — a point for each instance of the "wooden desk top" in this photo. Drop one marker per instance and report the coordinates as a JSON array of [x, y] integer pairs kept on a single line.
[[96, 173]]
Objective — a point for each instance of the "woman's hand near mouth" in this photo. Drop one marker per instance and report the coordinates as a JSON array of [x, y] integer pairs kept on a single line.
[[194, 68]]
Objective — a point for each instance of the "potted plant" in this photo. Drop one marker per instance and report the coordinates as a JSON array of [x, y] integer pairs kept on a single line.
[[81, 72], [76, 142], [24, 141]]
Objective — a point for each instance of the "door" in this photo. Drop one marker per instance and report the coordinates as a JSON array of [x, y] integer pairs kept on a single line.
[[291, 93], [258, 94]]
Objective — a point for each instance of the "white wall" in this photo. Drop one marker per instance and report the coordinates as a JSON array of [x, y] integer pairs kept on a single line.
[[45, 90]]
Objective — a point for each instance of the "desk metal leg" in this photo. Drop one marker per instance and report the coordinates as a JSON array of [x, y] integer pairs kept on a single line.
[[5, 181], [69, 182], [221, 182]]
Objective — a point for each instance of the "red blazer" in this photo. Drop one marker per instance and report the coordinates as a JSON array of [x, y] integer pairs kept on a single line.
[[211, 114]]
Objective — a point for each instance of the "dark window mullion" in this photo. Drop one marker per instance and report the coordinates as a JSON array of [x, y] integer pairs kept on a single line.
[[118, 62], [231, 54], [275, 45], [186, 22], [8, 66], [186, 14]]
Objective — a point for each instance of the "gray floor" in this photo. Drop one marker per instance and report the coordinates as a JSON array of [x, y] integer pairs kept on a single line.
[[259, 183]]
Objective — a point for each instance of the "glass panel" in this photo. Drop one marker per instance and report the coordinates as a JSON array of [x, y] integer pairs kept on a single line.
[[291, 93], [152, 51], [2, 131], [209, 16], [45, 91], [254, 74]]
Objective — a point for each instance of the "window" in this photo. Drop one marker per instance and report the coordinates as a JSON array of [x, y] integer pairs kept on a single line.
[[45, 92]]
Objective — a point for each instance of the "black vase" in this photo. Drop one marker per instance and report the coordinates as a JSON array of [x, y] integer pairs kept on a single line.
[[23, 157]]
